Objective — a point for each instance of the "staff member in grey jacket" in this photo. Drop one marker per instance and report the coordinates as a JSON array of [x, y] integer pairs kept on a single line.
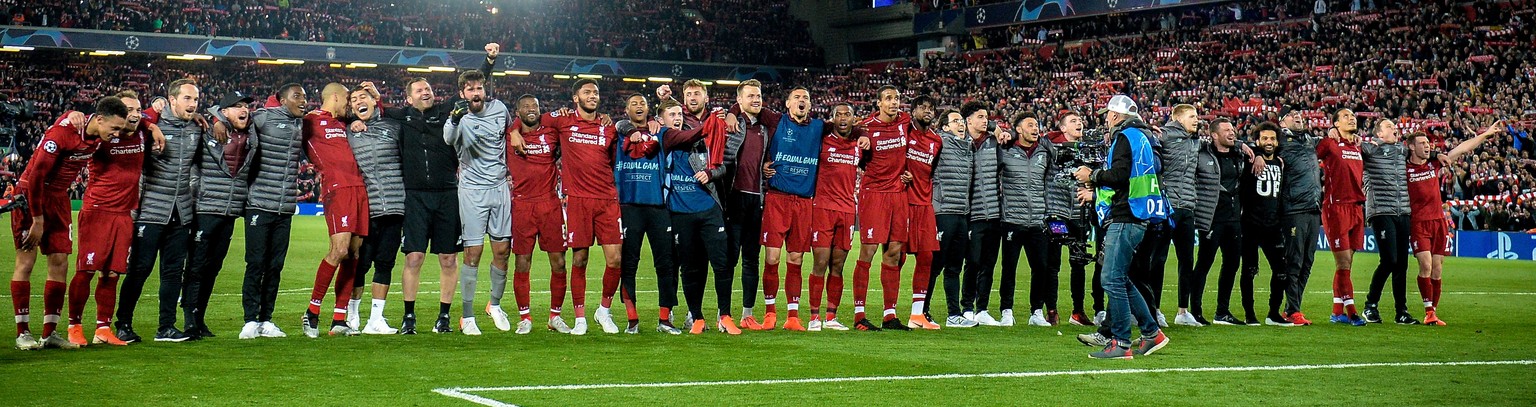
[[223, 182], [166, 209], [952, 207], [1219, 167], [986, 229], [1301, 197], [276, 135], [1181, 145], [1386, 207], [377, 149], [1023, 169]]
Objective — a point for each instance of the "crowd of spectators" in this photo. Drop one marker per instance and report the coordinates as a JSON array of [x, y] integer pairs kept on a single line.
[[758, 32]]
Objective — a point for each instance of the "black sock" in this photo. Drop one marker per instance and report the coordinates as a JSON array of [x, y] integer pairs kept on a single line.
[[410, 309], [442, 309]]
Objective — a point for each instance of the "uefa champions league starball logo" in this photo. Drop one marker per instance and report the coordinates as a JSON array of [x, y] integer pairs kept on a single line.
[[132, 42]]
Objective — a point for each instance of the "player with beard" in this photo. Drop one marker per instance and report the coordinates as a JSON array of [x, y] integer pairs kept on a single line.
[[477, 129], [44, 225], [345, 197], [1023, 172], [276, 134], [1300, 197], [1343, 217], [1260, 197], [922, 151], [882, 206], [789, 174], [106, 223], [832, 219], [584, 140], [223, 185], [536, 198], [1430, 241], [642, 186], [377, 150]]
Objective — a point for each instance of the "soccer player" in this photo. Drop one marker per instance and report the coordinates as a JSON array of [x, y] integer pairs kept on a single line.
[[1300, 197], [985, 228], [832, 222], [1219, 166], [377, 149], [44, 225], [1431, 234], [535, 197], [106, 223], [1065, 209], [1023, 165], [697, 222], [223, 185], [477, 129], [1260, 198], [923, 148], [1343, 222], [278, 139], [951, 204], [163, 226], [641, 181], [882, 207], [790, 181], [345, 197], [1386, 195], [585, 141]]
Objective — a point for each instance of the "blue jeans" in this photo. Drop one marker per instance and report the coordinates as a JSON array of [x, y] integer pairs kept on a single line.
[[1120, 241]]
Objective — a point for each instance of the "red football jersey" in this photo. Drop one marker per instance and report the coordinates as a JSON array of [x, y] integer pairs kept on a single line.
[[1424, 191], [922, 150], [325, 139], [115, 169], [839, 170], [586, 155], [63, 152], [888, 158], [534, 174], [1342, 171]]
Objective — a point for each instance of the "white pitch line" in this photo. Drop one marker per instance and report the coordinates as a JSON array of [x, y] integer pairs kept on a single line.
[[465, 393]]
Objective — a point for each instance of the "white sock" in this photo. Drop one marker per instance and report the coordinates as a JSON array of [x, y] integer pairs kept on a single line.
[[746, 312], [352, 304], [376, 311], [917, 307]]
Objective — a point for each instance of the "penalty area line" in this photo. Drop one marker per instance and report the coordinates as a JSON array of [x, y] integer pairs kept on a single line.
[[466, 393]]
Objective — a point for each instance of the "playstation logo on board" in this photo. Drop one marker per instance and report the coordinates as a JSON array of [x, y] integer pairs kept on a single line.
[[132, 42]]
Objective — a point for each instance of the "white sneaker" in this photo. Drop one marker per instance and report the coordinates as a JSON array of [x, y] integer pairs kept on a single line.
[[969, 316], [353, 320], [343, 330], [524, 326], [269, 330], [28, 342], [558, 325], [1037, 318], [1099, 317], [604, 317], [467, 325], [985, 319], [311, 328], [834, 325], [251, 330], [1007, 319], [956, 321], [580, 328], [1186, 319], [498, 317], [1161, 322], [379, 327], [813, 326]]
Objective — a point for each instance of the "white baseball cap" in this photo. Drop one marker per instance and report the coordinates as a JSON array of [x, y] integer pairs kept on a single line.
[[1121, 104]]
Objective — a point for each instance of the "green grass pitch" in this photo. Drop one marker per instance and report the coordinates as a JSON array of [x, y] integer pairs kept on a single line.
[[1487, 303]]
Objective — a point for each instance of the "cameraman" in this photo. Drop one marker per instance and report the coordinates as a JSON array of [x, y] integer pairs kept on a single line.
[[1127, 199]]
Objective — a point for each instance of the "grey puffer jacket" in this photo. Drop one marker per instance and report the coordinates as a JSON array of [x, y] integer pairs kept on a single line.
[[167, 182], [1180, 148], [952, 176]]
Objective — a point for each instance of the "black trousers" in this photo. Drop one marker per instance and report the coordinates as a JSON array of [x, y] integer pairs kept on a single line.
[[1392, 236], [266, 247], [637, 223], [1033, 240], [380, 251], [743, 224], [1256, 237], [701, 244], [1098, 266], [1076, 242], [1227, 238], [170, 242], [949, 261], [1300, 250], [980, 264], [1182, 236], [210, 244]]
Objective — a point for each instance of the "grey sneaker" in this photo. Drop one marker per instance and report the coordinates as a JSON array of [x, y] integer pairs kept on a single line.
[[28, 342], [558, 325], [956, 321], [1146, 345], [1161, 322], [342, 330], [58, 341], [1093, 339], [1113, 350]]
